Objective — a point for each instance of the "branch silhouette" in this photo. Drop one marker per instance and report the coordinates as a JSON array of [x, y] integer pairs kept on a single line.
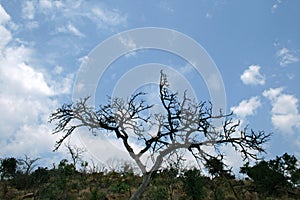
[[183, 123]]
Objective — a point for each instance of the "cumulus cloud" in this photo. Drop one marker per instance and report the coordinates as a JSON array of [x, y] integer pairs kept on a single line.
[[286, 57], [252, 76], [26, 100], [29, 90], [285, 114], [22, 78], [246, 107], [272, 93], [19, 76]]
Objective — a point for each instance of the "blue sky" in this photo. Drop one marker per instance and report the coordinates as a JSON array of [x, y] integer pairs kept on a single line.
[[254, 44]]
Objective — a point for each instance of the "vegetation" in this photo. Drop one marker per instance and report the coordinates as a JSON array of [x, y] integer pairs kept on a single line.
[[267, 180]]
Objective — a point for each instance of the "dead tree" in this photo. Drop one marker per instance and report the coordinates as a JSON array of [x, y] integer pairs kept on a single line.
[[183, 123], [76, 153], [29, 164]]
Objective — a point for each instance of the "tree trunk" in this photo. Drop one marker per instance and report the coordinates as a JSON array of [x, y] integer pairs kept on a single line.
[[142, 188]]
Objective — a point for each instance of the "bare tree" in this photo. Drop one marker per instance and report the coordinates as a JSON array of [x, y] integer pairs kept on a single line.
[[183, 123], [76, 153], [29, 164]]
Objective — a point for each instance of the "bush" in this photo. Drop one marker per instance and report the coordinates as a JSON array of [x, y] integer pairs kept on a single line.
[[194, 184], [156, 193]]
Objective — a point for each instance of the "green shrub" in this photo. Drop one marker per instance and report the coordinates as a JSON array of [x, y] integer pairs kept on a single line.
[[194, 184]]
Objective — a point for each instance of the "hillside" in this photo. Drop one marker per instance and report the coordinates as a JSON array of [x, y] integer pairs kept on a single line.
[[65, 182]]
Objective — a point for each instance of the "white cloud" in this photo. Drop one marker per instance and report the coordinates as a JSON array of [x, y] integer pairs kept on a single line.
[[5, 37], [252, 76], [26, 101], [54, 9], [4, 17], [28, 91], [97, 144], [74, 30], [272, 93], [275, 6], [166, 6], [286, 57], [285, 114], [45, 3], [208, 15], [29, 79], [233, 158], [214, 82], [70, 28], [129, 44], [32, 25], [186, 69], [63, 85], [28, 10], [76, 12], [246, 107], [23, 79], [109, 17], [58, 69]]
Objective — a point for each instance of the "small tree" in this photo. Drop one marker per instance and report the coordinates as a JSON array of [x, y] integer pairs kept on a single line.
[[183, 123], [216, 167], [194, 184], [8, 168], [40, 176], [288, 166], [64, 172], [266, 180], [274, 176], [22, 178], [76, 154], [28, 164], [172, 171]]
